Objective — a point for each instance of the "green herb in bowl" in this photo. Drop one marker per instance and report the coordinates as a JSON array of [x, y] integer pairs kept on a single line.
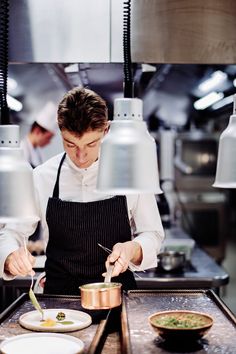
[[182, 324], [182, 320]]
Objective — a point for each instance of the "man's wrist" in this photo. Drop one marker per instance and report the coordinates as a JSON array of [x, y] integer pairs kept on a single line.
[[137, 253]]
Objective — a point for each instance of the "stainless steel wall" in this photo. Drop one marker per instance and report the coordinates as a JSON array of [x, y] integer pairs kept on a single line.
[[163, 31], [184, 31], [62, 31]]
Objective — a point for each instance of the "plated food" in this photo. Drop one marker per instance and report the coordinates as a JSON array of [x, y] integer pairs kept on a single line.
[[182, 324], [55, 320]]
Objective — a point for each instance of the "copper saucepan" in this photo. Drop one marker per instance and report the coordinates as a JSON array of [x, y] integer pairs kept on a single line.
[[101, 296]]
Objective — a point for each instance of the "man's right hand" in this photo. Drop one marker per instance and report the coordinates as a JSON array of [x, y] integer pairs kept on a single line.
[[19, 263]]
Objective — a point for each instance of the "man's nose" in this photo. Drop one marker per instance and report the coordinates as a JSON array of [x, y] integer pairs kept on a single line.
[[81, 153]]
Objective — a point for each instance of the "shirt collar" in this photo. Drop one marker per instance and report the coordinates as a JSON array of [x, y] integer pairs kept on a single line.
[[83, 171]]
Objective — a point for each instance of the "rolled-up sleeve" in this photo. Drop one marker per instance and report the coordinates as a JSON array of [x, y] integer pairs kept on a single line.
[[11, 238], [8, 244], [146, 227]]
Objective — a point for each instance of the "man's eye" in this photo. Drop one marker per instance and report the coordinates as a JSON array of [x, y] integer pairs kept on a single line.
[[70, 145], [92, 144]]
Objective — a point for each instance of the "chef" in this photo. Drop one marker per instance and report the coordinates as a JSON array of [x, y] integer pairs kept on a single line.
[[40, 134], [75, 218]]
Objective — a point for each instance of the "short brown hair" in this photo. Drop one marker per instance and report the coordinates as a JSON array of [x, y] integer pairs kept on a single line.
[[82, 110]]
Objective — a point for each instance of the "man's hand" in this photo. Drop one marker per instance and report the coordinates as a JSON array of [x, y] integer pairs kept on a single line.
[[19, 263], [122, 254]]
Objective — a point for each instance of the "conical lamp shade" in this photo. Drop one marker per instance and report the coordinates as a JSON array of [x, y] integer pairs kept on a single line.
[[128, 158], [226, 162], [17, 198]]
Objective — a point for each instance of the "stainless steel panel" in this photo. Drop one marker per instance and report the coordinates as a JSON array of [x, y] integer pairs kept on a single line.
[[162, 31], [205, 216], [195, 161], [184, 31], [117, 31], [59, 31]]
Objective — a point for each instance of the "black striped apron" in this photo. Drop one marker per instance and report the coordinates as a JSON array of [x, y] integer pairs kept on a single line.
[[75, 229]]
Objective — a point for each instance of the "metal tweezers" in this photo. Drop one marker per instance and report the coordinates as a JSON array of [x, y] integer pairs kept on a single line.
[[130, 263]]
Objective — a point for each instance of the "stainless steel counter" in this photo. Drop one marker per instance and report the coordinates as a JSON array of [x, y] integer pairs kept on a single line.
[[139, 336]]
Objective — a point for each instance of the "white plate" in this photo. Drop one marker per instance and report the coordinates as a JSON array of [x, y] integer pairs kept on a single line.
[[32, 320], [38, 343]]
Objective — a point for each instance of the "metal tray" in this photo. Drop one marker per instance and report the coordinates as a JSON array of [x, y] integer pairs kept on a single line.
[[93, 336], [139, 337]]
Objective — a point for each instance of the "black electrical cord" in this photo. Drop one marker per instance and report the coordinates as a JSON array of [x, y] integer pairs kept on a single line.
[[4, 25], [128, 74]]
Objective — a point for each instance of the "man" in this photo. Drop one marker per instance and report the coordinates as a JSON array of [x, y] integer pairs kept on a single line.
[[40, 135], [75, 219]]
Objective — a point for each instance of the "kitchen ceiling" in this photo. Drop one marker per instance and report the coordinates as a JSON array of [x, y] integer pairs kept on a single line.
[[164, 33], [162, 87]]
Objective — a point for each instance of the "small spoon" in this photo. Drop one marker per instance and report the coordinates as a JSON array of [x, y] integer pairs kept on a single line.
[[109, 273], [36, 303], [31, 293]]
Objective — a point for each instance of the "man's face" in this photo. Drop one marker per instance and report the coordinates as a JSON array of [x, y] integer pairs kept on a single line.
[[44, 138], [83, 150]]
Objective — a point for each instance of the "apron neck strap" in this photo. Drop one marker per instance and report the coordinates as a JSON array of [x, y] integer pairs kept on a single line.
[[56, 187]]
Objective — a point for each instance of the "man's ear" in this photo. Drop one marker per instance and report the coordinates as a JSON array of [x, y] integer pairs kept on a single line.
[[106, 130]]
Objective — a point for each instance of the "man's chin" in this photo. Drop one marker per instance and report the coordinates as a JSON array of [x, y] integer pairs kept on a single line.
[[84, 165]]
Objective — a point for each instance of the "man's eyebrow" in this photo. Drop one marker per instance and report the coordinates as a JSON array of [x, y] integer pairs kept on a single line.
[[90, 142], [94, 141], [68, 141]]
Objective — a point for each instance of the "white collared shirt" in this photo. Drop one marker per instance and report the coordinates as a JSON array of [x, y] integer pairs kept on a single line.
[[78, 185], [32, 154]]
